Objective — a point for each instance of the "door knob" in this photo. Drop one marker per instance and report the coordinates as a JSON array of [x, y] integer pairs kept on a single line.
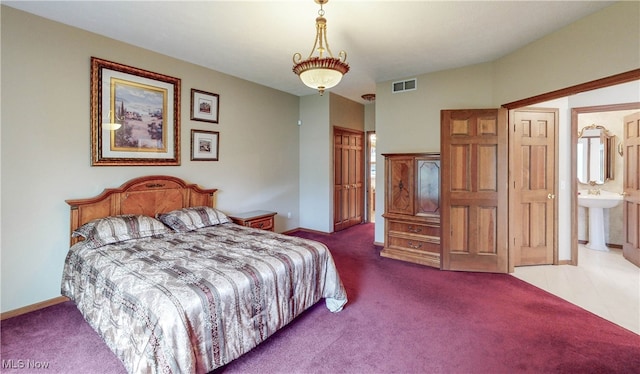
[[551, 196]]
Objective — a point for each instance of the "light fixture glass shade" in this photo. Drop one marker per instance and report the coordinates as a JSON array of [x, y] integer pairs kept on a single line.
[[321, 73], [325, 78]]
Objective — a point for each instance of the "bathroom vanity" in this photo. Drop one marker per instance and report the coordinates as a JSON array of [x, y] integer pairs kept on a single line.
[[596, 152]]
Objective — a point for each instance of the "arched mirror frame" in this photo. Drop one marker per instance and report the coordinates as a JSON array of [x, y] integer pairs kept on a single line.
[[604, 154]]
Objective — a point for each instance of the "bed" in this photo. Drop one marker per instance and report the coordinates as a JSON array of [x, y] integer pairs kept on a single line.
[[172, 286]]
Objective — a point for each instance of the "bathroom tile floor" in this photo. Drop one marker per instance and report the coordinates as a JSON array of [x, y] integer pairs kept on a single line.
[[604, 283]]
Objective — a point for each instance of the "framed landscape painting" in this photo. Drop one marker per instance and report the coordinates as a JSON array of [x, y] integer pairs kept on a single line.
[[135, 116]]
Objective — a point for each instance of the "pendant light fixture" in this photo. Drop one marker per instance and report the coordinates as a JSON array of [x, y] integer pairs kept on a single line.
[[321, 72]]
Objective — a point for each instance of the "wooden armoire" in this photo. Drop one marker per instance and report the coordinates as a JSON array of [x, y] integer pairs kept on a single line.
[[412, 208]]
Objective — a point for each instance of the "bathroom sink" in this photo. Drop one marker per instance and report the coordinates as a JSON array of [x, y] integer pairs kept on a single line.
[[596, 205], [605, 200]]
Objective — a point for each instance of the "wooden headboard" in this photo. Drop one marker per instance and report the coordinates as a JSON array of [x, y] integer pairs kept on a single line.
[[148, 195]]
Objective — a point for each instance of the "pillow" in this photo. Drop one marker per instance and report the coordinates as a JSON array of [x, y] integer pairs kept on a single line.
[[115, 229], [189, 219]]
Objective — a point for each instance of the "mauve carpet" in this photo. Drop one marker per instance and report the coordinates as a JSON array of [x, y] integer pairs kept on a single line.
[[401, 318]]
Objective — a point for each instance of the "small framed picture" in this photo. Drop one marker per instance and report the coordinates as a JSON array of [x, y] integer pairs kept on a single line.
[[204, 145], [205, 106]]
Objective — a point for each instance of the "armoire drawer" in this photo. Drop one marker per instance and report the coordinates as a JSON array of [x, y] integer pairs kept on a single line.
[[415, 228], [430, 244]]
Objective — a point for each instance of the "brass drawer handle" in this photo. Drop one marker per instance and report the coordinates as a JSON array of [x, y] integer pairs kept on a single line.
[[414, 246], [411, 228]]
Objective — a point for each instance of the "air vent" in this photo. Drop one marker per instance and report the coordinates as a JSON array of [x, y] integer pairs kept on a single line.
[[402, 86]]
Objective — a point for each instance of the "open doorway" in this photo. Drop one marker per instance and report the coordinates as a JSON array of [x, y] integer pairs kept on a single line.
[[615, 228], [371, 176]]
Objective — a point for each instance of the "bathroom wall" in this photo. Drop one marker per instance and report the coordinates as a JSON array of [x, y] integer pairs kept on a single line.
[[613, 121]]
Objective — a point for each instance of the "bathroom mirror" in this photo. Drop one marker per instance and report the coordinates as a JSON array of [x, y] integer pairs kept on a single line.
[[596, 149]]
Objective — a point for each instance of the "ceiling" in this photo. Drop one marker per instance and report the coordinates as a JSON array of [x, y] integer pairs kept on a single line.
[[384, 40]]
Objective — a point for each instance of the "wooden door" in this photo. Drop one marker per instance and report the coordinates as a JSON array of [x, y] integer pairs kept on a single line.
[[474, 161], [631, 207], [348, 178], [532, 203]]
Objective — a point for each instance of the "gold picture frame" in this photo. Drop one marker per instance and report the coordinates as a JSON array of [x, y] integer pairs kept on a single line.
[[135, 116]]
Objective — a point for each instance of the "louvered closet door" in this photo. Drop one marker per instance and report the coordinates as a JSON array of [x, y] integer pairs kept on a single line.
[[356, 178], [340, 193], [348, 178]]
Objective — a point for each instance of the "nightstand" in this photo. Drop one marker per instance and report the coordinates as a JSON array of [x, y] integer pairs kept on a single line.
[[259, 219]]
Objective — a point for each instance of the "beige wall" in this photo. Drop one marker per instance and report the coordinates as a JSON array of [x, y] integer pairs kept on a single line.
[[410, 121], [602, 44], [346, 113], [370, 117], [316, 192], [46, 145]]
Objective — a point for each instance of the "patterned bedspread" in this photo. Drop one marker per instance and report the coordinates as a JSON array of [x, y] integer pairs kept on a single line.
[[192, 302]]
